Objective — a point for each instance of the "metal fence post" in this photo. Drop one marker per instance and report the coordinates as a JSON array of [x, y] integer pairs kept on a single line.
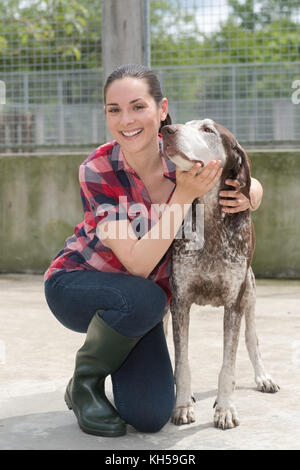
[[147, 43], [233, 99], [124, 39], [123, 36], [61, 124]]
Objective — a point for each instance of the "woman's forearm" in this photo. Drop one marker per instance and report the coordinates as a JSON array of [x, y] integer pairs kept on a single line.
[[153, 245]]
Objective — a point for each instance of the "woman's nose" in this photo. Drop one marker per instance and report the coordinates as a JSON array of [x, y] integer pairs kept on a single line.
[[126, 118]]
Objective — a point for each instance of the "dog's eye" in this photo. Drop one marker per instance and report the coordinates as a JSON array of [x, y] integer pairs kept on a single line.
[[240, 153], [237, 149], [207, 129]]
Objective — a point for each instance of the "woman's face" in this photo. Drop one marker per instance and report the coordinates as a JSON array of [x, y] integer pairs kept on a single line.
[[132, 115]]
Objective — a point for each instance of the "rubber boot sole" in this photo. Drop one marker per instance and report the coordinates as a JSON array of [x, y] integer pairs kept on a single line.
[[94, 432]]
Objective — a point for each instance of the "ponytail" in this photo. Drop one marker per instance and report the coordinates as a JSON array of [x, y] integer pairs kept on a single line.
[[166, 122]]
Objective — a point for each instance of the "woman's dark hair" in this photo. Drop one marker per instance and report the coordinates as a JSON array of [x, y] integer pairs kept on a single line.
[[139, 71]]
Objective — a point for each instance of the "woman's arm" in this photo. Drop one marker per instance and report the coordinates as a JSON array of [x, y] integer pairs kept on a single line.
[[256, 194], [240, 201], [141, 256]]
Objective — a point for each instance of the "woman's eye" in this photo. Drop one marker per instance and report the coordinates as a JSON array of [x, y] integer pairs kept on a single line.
[[113, 110], [139, 106]]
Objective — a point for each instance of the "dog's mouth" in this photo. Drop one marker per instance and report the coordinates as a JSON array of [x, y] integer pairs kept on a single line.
[[171, 151]]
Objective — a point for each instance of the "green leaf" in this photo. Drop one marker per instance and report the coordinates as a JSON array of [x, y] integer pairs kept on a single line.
[[69, 29], [3, 44]]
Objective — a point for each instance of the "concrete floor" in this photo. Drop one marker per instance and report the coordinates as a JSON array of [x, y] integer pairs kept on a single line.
[[37, 359]]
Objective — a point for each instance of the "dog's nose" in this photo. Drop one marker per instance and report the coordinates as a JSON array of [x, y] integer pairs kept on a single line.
[[169, 130]]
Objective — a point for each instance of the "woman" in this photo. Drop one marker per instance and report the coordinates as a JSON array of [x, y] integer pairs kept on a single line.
[[111, 278]]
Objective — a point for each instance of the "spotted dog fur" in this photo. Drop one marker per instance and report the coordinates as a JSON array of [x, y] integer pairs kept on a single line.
[[219, 273]]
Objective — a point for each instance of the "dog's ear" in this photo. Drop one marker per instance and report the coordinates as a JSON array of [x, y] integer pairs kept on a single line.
[[242, 169]]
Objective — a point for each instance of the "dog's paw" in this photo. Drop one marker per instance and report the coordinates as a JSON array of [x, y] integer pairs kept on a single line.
[[226, 417], [265, 383], [183, 415]]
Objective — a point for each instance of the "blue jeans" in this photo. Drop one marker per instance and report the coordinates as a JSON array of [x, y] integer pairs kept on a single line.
[[143, 386]]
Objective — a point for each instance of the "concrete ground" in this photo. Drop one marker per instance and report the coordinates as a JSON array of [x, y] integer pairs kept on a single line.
[[37, 359]]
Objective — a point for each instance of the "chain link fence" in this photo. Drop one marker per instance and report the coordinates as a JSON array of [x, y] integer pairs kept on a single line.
[[244, 98], [234, 61]]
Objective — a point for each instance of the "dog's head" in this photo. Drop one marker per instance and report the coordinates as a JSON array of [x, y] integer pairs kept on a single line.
[[203, 141]]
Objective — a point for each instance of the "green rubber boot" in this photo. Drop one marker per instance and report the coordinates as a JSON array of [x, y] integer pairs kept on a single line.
[[102, 353]]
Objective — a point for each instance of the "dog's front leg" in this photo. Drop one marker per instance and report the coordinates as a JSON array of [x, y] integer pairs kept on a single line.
[[184, 410], [225, 413]]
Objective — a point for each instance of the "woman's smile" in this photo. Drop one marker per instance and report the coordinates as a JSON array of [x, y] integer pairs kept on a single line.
[[132, 133]]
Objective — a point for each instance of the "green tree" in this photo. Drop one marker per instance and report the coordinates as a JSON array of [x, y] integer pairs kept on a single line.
[[49, 34], [256, 14]]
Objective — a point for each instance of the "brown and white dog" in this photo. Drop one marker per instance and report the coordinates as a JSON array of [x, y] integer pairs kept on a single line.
[[218, 271]]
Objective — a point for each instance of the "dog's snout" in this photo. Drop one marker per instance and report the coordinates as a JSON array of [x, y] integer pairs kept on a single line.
[[169, 130]]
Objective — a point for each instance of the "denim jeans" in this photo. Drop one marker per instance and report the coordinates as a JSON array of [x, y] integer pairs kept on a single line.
[[143, 386]]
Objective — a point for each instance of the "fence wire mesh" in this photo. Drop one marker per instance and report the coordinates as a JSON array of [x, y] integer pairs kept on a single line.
[[234, 61]]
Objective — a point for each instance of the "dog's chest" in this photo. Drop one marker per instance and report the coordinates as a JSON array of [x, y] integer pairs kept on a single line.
[[213, 272]]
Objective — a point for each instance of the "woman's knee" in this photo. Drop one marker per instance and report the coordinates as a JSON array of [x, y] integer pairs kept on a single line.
[[66, 309], [145, 415], [153, 420], [150, 426]]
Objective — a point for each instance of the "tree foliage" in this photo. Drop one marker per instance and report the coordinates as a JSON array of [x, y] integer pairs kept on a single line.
[[255, 32], [50, 34]]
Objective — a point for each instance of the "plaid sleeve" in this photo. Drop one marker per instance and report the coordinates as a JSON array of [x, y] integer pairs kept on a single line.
[[100, 202]]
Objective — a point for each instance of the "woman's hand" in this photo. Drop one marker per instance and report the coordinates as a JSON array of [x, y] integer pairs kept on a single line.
[[195, 184], [240, 202]]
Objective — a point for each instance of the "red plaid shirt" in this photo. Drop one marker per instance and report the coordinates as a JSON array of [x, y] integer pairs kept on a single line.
[[111, 190]]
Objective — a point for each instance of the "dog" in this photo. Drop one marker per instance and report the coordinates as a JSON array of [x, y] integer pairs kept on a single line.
[[216, 271]]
